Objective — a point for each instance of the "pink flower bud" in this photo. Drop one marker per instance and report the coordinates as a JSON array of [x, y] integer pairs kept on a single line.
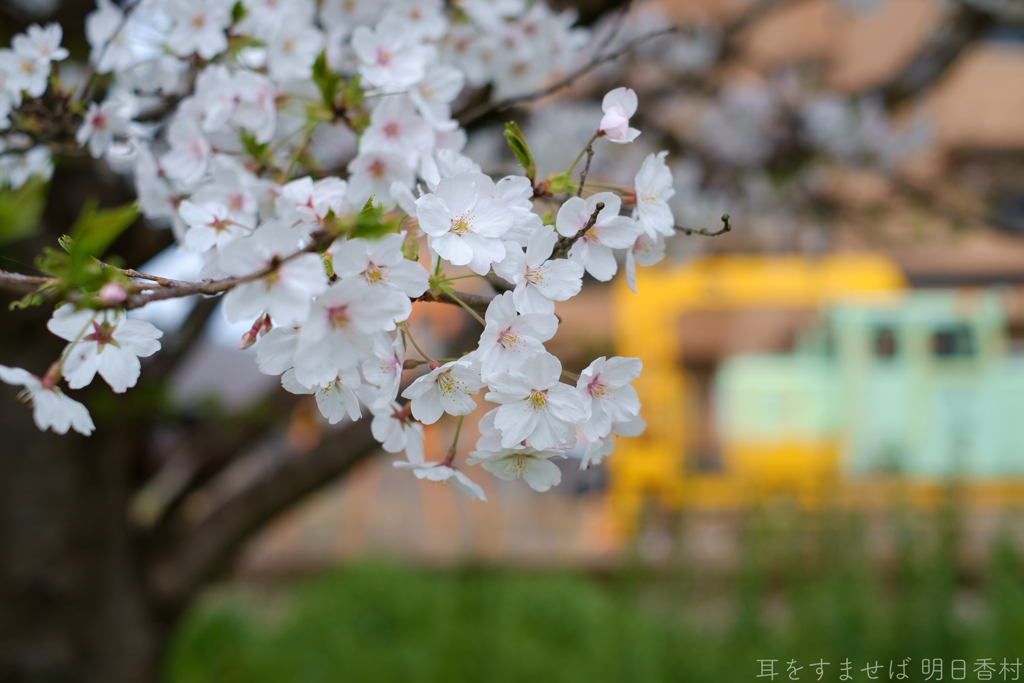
[[112, 293]]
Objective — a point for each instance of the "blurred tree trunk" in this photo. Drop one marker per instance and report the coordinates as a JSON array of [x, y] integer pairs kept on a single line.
[[74, 602]]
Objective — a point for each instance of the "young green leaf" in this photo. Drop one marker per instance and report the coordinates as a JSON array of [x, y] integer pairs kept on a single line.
[[521, 149]]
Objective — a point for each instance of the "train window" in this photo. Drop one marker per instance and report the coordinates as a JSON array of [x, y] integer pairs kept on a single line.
[[954, 341], [885, 343]]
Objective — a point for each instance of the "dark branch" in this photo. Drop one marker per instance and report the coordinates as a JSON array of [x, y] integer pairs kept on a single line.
[[959, 30], [207, 550], [16, 283], [708, 233]]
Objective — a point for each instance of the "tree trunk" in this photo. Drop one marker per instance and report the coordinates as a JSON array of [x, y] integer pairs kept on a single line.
[[73, 605]]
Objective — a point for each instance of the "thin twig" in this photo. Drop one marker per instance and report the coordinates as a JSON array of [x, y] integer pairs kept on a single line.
[[477, 302], [94, 75], [487, 108], [565, 243], [408, 333], [619, 21], [586, 169], [705, 232], [460, 302]]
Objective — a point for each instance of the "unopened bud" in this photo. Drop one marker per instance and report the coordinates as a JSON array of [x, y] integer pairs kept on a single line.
[[250, 337], [247, 340], [434, 365], [265, 326], [629, 196], [112, 293]]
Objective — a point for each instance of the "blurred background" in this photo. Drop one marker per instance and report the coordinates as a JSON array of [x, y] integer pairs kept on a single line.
[[834, 461]]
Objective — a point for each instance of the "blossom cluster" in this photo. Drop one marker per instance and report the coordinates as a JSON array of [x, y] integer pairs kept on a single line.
[[293, 124]]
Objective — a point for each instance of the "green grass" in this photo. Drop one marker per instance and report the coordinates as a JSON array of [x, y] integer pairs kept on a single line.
[[803, 595]]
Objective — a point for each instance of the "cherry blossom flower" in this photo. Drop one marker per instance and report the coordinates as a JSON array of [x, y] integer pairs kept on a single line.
[[618, 106], [516, 193], [101, 123], [373, 174], [439, 472], [336, 399], [509, 338], [442, 164], [40, 43], [535, 405], [189, 156], [611, 231], [423, 20], [397, 431], [601, 448], [395, 128], [490, 436], [309, 202], [212, 225], [343, 15], [293, 48], [653, 190], [382, 267], [36, 162], [463, 223], [198, 26], [337, 335], [540, 281], [388, 57], [491, 14], [286, 290], [607, 394], [105, 342], [434, 94], [529, 464], [51, 408], [106, 30], [449, 388], [25, 72], [276, 352], [256, 105], [384, 370], [646, 251]]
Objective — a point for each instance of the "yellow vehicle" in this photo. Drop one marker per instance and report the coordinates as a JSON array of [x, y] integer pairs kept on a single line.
[[653, 466]]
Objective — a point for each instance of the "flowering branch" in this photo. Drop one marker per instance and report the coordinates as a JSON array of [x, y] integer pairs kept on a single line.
[[565, 243]]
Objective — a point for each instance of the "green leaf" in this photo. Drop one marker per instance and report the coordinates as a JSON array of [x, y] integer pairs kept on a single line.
[[559, 183], [352, 97], [521, 149], [259, 152], [325, 79], [370, 221], [411, 248], [238, 12], [30, 299], [91, 236], [21, 209]]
